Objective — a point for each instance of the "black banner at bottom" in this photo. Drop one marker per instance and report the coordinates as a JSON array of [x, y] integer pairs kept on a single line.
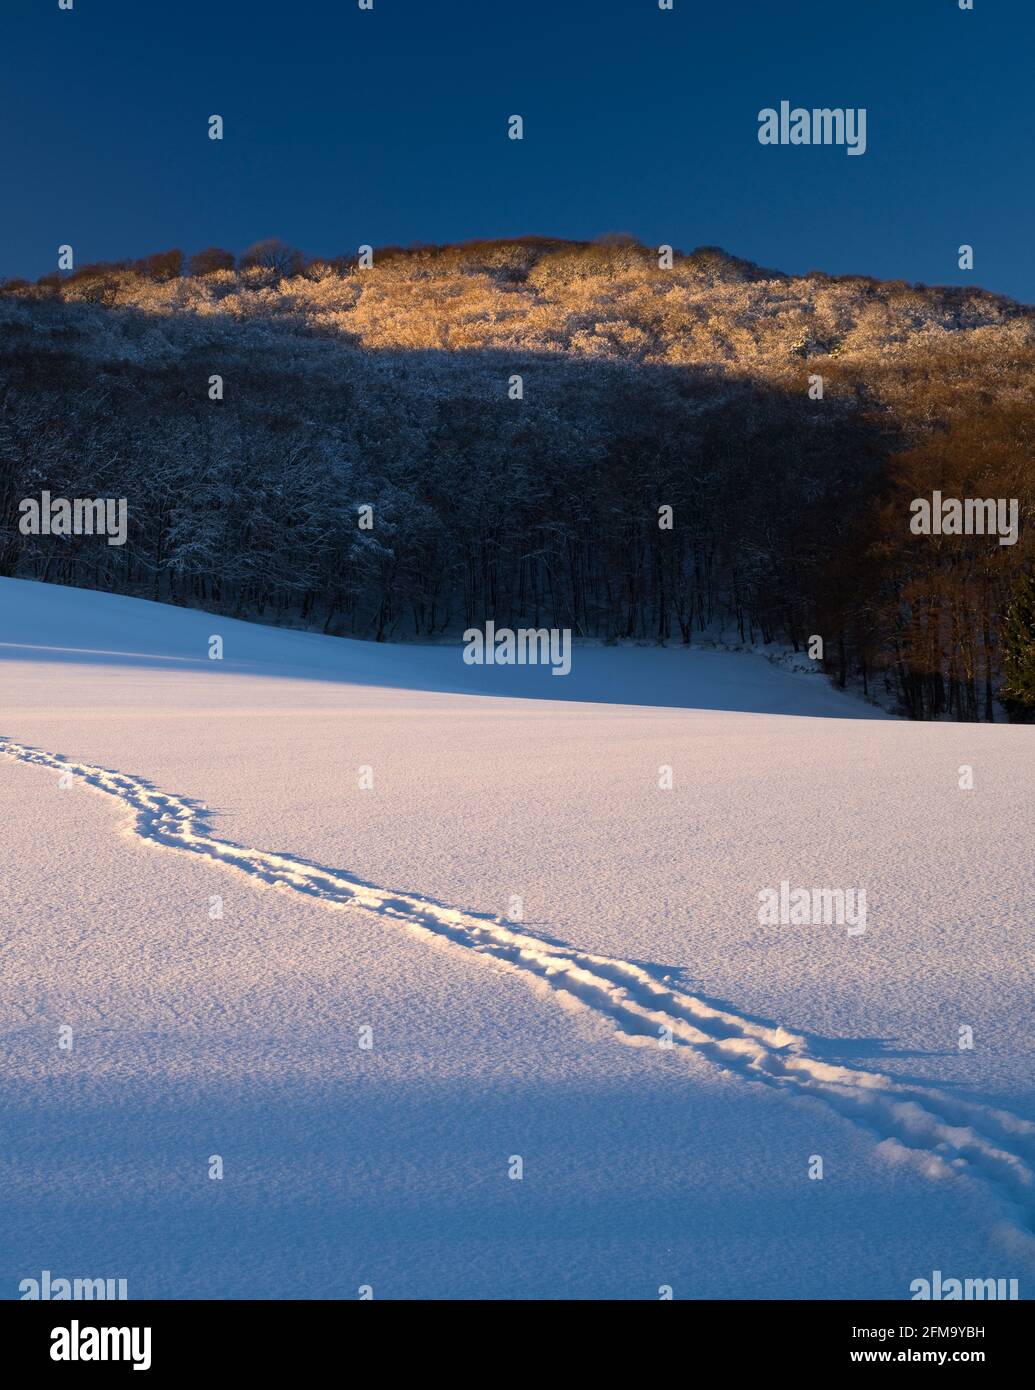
[[160, 1340]]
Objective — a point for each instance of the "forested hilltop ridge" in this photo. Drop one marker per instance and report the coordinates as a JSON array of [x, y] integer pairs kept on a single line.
[[519, 416]]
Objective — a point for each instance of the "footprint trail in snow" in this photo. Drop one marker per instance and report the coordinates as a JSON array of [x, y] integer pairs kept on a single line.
[[943, 1134]]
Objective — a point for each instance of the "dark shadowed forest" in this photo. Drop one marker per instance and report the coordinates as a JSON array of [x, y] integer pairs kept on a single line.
[[514, 421]]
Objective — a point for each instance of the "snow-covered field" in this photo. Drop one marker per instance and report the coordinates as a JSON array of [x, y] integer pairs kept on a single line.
[[347, 907]]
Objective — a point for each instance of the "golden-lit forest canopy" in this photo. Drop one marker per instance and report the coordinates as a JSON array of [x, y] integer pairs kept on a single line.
[[643, 385]]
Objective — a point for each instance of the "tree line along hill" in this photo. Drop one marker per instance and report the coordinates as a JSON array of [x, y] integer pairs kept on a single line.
[[518, 417]]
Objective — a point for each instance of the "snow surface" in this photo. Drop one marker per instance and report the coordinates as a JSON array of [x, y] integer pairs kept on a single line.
[[346, 907]]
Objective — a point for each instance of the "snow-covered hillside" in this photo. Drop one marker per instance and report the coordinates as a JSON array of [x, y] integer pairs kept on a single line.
[[314, 844]]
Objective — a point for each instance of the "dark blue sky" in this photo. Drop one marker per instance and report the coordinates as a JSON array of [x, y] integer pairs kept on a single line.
[[345, 127]]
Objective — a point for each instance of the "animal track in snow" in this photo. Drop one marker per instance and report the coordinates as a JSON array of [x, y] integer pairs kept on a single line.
[[946, 1134]]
